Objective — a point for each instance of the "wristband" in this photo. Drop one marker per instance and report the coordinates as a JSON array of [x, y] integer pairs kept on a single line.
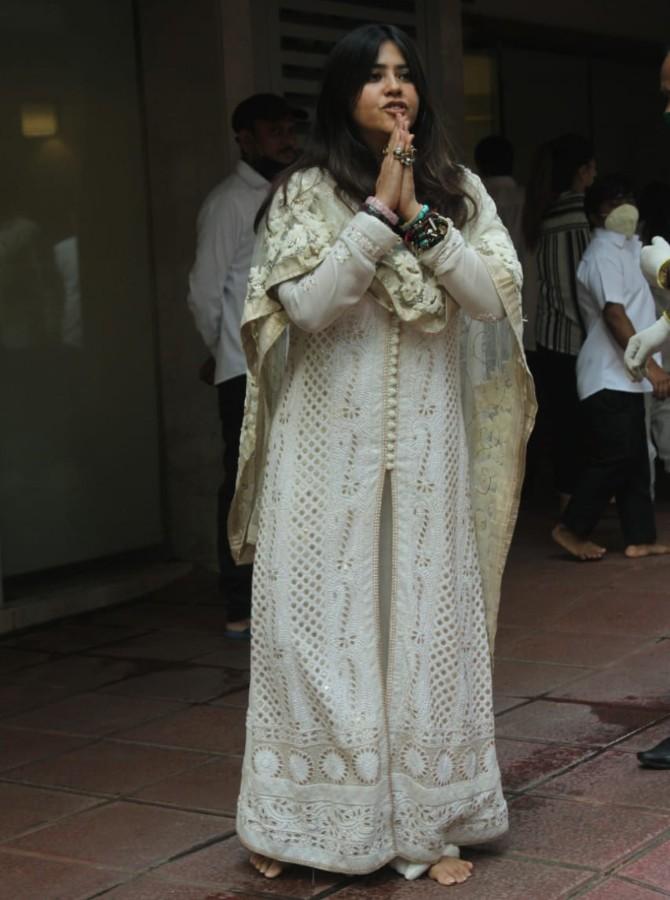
[[387, 212], [419, 217]]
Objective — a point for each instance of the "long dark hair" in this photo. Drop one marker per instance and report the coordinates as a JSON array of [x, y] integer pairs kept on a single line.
[[553, 170], [336, 146]]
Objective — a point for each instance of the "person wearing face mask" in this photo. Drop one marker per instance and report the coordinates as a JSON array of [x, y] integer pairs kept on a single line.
[[614, 300], [264, 126]]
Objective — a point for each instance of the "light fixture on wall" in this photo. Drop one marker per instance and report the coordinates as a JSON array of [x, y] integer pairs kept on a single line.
[[39, 120]]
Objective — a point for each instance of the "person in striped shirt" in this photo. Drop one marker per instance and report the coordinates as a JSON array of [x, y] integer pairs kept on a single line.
[[557, 230]]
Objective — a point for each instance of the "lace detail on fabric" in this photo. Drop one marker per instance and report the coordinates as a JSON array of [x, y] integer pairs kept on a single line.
[[372, 250]]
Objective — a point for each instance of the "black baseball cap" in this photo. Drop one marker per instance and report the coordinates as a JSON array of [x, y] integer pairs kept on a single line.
[[270, 107]]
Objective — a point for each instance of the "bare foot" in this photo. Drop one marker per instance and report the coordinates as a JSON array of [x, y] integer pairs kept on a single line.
[[635, 551], [580, 549], [266, 866], [450, 871]]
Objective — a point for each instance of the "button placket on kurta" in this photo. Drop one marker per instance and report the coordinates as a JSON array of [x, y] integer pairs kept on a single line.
[[392, 395]]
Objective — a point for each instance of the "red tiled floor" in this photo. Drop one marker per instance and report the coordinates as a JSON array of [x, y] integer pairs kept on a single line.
[[613, 778], [26, 877], [576, 723], [211, 728], [24, 808], [74, 637], [648, 738], [572, 649], [233, 654], [18, 747], [652, 867], [236, 698], [617, 613], [18, 697], [124, 835], [577, 833], [75, 672], [212, 787], [523, 763], [640, 680], [225, 866], [615, 889], [528, 679], [147, 888], [495, 878], [107, 767], [195, 684], [93, 714], [12, 659], [177, 645]]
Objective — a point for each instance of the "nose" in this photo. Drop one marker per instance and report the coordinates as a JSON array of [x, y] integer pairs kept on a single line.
[[393, 84]]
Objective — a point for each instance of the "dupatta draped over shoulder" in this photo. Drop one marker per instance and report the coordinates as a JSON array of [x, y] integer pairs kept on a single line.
[[498, 398]]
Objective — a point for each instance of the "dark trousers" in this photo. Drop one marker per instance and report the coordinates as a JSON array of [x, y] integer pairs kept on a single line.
[[558, 414], [235, 581], [616, 465]]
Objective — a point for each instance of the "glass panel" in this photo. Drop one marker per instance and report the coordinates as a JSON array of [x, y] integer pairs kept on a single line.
[[481, 100], [79, 433]]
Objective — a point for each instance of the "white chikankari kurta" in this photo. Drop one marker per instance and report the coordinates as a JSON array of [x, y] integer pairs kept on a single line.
[[364, 742]]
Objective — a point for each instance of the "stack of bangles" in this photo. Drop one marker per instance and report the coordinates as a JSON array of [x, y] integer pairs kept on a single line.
[[424, 231]]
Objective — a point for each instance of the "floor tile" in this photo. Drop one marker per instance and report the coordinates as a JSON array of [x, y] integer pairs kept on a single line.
[[495, 878], [30, 878], [107, 767], [613, 778], [75, 672], [652, 868], [576, 723], [93, 714], [18, 747], [522, 763], [196, 684], [618, 613], [225, 866], [568, 648], [615, 889], [212, 787], [73, 637], [577, 833], [217, 729], [147, 888], [233, 654], [13, 659], [239, 699], [18, 697], [24, 808], [641, 680], [648, 738], [125, 835], [528, 679], [178, 645]]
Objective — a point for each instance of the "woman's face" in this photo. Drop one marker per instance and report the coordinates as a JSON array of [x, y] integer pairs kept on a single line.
[[387, 94]]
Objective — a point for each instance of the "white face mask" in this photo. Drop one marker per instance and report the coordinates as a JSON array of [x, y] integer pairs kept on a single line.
[[623, 219]]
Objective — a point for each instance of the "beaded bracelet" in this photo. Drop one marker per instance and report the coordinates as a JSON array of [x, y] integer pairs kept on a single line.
[[382, 208], [422, 213], [427, 233]]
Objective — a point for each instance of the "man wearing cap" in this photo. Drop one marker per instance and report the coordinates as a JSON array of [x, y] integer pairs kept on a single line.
[[264, 126]]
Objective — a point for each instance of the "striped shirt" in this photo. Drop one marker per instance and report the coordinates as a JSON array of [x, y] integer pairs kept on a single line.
[[564, 236]]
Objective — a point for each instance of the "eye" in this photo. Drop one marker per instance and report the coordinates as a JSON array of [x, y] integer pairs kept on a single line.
[[404, 76], [375, 75]]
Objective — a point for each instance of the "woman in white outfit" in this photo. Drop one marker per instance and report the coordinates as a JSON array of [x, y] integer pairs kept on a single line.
[[387, 414]]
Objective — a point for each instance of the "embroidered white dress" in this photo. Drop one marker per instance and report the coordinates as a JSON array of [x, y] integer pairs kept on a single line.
[[370, 728]]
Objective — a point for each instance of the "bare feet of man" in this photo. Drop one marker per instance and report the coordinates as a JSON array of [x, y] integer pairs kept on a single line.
[[450, 871], [577, 547], [271, 868], [636, 551]]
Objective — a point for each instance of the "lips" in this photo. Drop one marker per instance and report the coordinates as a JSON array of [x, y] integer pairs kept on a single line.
[[395, 107]]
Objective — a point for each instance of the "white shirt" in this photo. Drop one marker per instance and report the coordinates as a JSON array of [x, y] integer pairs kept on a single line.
[[609, 272], [218, 280]]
